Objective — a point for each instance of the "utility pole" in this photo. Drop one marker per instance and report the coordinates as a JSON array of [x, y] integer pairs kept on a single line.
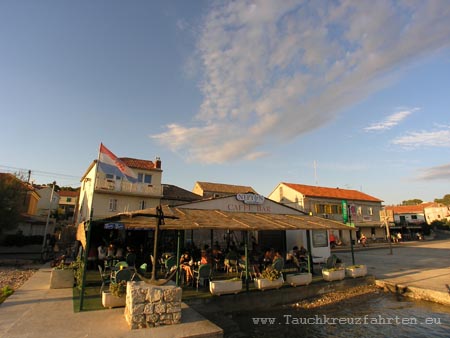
[[388, 233], [44, 242]]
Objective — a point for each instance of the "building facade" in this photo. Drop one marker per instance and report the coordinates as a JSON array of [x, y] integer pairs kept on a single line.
[[109, 194], [363, 211]]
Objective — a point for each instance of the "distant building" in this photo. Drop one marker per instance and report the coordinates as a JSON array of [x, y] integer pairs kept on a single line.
[[30, 224], [363, 209], [173, 195], [68, 201], [112, 194], [215, 190], [48, 202], [409, 219]]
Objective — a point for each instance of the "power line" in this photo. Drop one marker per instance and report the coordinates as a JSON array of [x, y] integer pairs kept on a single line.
[[67, 179], [40, 172]]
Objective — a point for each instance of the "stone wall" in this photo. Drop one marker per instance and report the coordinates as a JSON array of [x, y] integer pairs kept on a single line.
[[151, 305]]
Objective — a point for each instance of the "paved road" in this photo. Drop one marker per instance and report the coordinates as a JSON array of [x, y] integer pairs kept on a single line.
[[421, 264]]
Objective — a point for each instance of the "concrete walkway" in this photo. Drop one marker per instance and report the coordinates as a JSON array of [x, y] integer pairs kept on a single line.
[[418, 269], [35, 310]]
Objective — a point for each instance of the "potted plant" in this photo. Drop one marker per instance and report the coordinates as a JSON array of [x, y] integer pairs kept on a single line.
[[269, 279], [227, 286], [62, 276], [356, 271], [333, 274], [299, 278], [115, 297]]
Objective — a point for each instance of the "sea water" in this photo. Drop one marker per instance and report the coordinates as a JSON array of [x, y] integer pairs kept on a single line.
[[377, 315]]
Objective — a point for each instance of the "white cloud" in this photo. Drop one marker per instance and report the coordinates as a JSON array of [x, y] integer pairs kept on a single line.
[[436, 173], [438, 138], [274, 70], [390, 121]]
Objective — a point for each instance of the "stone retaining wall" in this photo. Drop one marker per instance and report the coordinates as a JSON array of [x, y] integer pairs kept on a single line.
[[151, 305]]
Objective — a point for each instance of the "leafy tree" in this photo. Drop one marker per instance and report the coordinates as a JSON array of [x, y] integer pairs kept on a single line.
[[445, 200], [415, 201], [12, 199]]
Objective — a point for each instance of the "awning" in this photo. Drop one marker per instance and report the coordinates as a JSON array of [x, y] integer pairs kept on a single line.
[[188, 219]]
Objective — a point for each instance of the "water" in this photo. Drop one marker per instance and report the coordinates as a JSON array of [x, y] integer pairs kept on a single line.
[[375, 315]]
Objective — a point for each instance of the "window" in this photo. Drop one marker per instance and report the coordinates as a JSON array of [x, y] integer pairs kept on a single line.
[[319, 208], [69, 199], [144, 178], [142, 205], [319, 238], [370, 211], [359, 212], [109, 176], [112, 204], [413, 216], [335, 209]]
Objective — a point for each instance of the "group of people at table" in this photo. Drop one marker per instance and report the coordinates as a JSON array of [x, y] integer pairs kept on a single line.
[[230, 260]]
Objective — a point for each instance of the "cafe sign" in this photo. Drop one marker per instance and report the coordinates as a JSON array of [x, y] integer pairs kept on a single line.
[[250, 198]]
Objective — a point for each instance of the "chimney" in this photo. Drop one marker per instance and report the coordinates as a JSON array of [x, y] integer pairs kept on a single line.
[[158, 163]]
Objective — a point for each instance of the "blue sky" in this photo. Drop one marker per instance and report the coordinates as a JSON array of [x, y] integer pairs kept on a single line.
[[247, 92]]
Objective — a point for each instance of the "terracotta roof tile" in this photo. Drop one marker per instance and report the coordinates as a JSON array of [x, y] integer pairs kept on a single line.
[[138, 164], [410, 209], [68, 193], [225, 188], [337, 193]]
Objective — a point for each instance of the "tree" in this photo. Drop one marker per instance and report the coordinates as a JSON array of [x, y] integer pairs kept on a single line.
[[445, 200], [12, 199], [415, 201]]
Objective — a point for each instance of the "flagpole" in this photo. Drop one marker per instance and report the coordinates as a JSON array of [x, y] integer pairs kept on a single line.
[[88, 235]]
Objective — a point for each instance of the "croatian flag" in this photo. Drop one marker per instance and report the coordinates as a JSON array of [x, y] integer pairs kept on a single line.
[[110, 164]]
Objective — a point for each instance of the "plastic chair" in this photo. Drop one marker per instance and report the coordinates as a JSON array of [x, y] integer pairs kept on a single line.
[[106, 279], [122, 275], [121, 264], [170, 264], [203, 273]]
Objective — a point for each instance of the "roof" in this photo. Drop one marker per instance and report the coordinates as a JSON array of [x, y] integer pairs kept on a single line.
[[68, 193], [225, 188], [172, 192], [185, 219], [138, 164], [11, 177], [410, 209], [337, 193]]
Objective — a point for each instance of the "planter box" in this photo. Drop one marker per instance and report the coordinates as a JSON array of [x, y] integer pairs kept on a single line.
[[60, 279], [110, 301], [264, 284], [299, 279], [356, 271], [331, 275], [222, 287]]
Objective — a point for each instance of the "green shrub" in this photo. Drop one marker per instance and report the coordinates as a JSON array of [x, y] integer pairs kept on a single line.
[[5, 292]]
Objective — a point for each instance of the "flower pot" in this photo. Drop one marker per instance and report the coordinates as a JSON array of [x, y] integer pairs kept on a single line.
[[264, 284], [221, 287], [356, 271], [110, 301], [61, 278], [299, 279], [335, 274]]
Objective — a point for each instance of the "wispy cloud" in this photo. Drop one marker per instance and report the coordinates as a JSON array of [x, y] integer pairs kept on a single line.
[[437, 138], [436, 173], [391, 121], [274, 70]]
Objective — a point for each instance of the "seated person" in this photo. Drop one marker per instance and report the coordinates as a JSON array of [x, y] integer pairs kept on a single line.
[[186, 263], [204, 258]]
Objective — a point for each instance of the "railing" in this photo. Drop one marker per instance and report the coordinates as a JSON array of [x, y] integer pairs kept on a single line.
[[124, 186]]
